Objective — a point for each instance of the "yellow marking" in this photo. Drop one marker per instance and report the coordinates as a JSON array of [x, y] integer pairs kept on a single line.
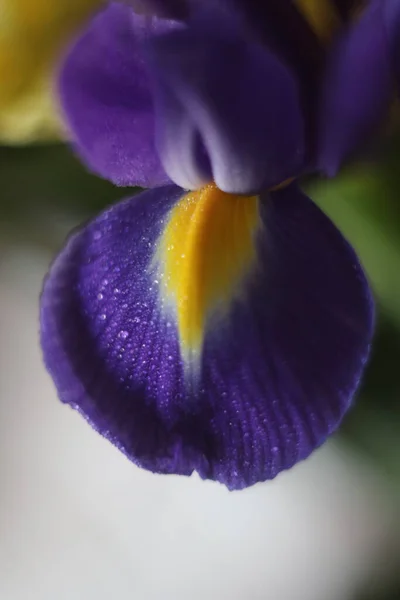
[[204, 253], [283, 185], [321, 15]]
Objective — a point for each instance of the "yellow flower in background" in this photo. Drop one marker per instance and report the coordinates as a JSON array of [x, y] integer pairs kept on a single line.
[[321, 15], [33, 34]]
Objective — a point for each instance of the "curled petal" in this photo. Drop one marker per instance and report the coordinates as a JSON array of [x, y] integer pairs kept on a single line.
[[358, 88], [106, 99], [231, 352], [226, 108]]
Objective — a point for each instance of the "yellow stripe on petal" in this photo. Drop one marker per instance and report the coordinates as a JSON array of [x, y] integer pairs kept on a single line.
[[321, 15], [206, 250]]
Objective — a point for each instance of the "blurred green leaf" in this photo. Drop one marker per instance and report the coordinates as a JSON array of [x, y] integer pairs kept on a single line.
[[359, 203], [39, 178]]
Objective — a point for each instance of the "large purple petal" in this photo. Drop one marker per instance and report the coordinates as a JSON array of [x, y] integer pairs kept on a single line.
[[358, 88], [106, 99], [242, 103], [277, 375]]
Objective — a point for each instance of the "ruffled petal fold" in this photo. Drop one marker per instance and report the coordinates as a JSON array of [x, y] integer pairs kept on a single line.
[[231, 352], [227, 109], [357, 88], [107, 101]]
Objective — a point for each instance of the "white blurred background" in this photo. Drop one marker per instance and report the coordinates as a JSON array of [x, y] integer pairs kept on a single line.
[[79, 522]]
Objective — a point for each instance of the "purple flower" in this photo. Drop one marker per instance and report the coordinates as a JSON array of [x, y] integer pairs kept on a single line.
[[217, 322]]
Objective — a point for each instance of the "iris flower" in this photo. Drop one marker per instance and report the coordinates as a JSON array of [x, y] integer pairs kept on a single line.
[[33, 34], [218, 322]]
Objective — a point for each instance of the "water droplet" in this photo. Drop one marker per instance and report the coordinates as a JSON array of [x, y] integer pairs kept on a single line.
[[103, 317], [100, 296], [123, 335], [170, 357], [117, 291]]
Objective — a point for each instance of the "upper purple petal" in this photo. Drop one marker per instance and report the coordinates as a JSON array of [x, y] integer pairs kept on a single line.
[[391, 10], [357, 88], [226, 108], [106, 99], [170, 9], [276, 376]]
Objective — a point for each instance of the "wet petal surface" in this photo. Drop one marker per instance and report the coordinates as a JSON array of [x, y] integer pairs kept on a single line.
[[284, 332]]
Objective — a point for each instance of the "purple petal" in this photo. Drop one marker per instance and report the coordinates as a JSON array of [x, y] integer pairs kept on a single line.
[[167, 9], [107, 102], [357, 91], [215, 89], [392, 23], [277, 373]]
